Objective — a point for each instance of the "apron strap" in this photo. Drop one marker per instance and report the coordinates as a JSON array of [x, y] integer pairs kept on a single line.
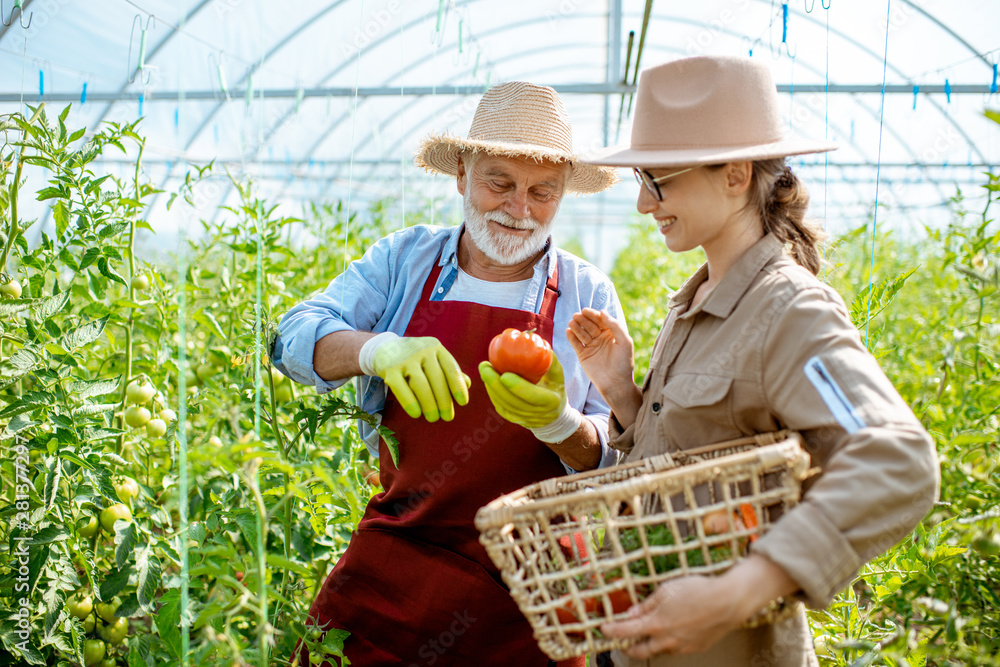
[[552, 293], [548, 308]]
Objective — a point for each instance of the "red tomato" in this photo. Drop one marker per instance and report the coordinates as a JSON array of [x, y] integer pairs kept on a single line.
[[565, 615], [523, 353], [620, 601]]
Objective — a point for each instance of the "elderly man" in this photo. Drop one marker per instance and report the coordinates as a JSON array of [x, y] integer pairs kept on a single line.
[[415, 317]]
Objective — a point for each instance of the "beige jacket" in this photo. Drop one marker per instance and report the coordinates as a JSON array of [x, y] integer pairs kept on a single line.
[[772, 347]]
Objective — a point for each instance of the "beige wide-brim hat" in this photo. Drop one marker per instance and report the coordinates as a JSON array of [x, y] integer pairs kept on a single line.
[[706, 110], [517, 119]]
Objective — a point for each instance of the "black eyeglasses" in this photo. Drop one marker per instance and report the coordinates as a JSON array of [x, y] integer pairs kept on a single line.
[[651, 183]]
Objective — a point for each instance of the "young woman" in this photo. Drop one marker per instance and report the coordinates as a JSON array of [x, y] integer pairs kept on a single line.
[[753, 342]]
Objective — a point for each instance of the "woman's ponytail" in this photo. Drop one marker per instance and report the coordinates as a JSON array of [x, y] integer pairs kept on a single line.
[[782, 200]]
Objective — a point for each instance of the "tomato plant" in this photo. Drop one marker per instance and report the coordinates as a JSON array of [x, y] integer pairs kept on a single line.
[[523, 353]]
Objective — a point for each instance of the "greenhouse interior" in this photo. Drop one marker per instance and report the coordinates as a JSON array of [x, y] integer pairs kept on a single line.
[[209, 207]]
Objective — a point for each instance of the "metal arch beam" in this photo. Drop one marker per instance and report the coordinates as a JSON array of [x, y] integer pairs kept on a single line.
[[211, 115], [253, 66], [394, 147], [871, 112], [864, 49], [152, 54], [326, 134], [933, 19]]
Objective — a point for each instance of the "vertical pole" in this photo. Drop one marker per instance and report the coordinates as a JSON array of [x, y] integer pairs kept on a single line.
[[612, 77]]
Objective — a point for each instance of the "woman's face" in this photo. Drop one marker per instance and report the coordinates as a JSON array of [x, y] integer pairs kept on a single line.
[[698, 207]]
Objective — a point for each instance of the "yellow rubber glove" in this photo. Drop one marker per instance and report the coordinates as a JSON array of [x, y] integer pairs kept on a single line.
[[518, 401], [423, 376]]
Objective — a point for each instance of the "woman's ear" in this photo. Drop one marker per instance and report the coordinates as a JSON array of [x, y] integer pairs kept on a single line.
[[738, 176]]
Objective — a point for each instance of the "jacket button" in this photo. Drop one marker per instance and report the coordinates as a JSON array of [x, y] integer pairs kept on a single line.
[[656, 408]]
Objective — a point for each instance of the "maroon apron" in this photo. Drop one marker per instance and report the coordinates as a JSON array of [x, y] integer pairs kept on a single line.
[[415, 586]]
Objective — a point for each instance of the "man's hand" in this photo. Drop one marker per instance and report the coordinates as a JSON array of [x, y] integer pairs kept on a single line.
[[533, 406], [422, 375]]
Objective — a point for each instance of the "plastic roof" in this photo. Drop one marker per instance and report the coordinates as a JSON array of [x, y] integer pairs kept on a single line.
[[323, 100]]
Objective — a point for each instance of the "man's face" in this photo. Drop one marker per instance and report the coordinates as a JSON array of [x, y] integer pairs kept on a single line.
[[510, 204]]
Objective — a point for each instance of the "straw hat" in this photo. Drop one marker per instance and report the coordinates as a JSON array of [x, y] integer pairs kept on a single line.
[[706, 110], [517, 119]]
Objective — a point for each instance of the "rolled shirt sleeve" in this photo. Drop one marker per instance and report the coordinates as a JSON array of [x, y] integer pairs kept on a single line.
[[354, 301], [879, 467]]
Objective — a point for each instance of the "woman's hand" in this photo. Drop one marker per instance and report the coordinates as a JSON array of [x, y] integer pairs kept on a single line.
[[605, 351], [690, 614]]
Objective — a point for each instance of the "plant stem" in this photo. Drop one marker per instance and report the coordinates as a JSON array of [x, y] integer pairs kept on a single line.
[[14, 228], [131, 296]]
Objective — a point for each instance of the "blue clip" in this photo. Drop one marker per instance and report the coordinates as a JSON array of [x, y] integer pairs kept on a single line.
[[947, 90], [142, 101], [177, 117], [993, 86], [83, 95], [41, 84], [784, 22], [916, 91]]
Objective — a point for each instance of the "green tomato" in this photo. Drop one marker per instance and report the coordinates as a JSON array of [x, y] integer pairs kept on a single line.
[[80, 607], [987, 545], [205, 371], [87, 527], [136, 416], [127, 489], [89, 623], [110, 515], [140, 282], [11, 289], [168, 415], [106, 610], [156, 428], [114, 633], [108, 662], [139, 392], [283, 394], [277, 376], [93, 652]]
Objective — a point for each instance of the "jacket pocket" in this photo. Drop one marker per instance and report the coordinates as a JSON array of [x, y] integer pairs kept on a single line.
[[695, 390]]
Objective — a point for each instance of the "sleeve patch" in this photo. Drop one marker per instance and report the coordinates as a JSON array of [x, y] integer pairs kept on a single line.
[[834, 397]]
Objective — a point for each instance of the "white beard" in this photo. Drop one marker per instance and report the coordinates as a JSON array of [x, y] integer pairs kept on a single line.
[[502, 248]]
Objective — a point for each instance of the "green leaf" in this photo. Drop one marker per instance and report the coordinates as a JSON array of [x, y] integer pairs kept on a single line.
[[49, 306], [109, 272], [138, 650], [52, 477], [149, 577], [90, 255], [85, 334], [48, 535], [88, 388], [11, 307], [60, 213], [115, 582], [168, 621], [206, 318], [125, 535], [113, 229], [247, 523], [88, 409], [992, 115]]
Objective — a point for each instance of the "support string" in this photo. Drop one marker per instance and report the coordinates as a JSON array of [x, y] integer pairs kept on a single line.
[[878, 169]]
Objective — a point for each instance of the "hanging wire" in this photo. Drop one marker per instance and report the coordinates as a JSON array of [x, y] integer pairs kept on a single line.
[[402, 124], [826, 132], [878, 169], [141, 62], [350, 169]]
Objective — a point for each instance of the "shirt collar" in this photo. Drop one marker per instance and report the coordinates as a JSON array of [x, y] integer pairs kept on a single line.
[[723, 299], [450, 252]]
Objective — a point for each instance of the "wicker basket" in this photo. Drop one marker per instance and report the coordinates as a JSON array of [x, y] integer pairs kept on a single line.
[[577, 551]]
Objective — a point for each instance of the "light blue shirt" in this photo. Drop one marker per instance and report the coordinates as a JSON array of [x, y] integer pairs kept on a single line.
[[380, 291]]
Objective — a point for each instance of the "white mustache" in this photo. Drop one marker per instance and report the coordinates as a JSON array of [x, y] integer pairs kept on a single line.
[[508, 220]]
